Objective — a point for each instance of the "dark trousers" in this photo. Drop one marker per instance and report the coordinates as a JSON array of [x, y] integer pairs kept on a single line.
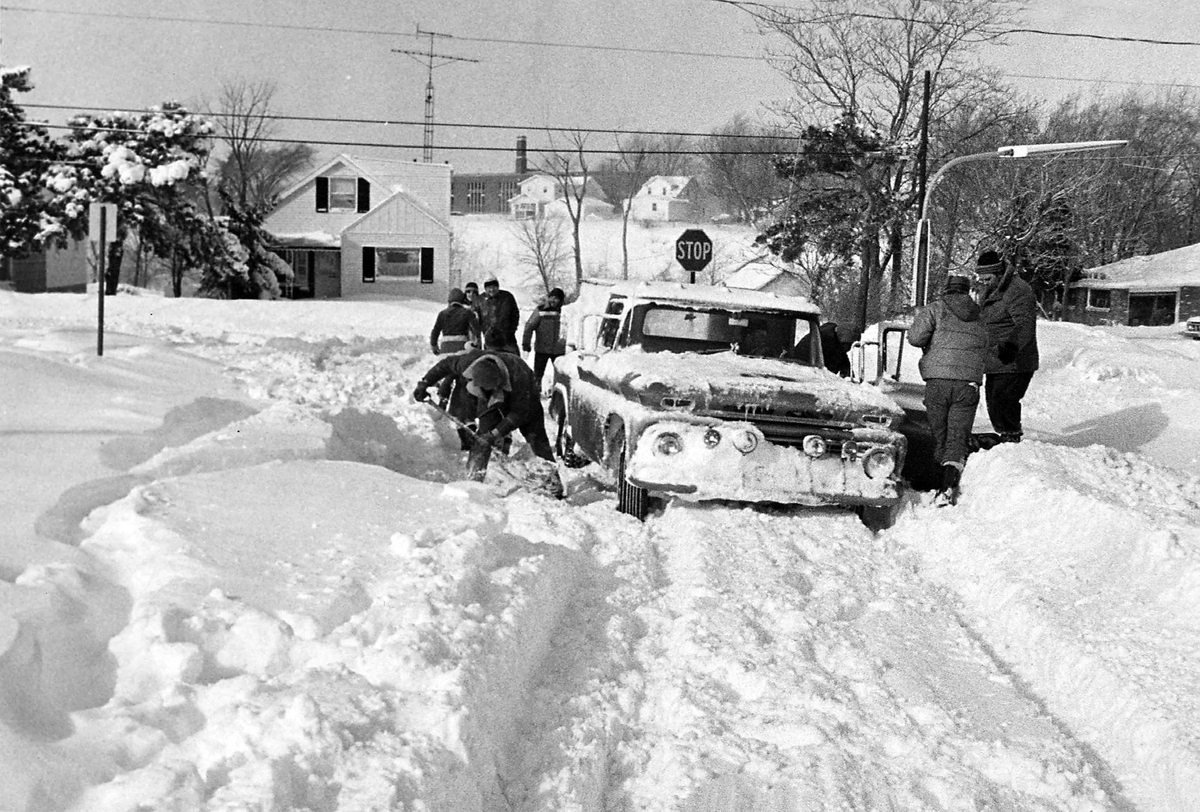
[[1004, 391], [533, 430], [540, 362], [951, 407]]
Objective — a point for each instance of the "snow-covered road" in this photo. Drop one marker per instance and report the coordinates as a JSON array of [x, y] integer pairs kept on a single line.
[[298, 606]]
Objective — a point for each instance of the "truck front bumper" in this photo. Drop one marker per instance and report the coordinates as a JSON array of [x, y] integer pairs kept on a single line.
[[734, 461]]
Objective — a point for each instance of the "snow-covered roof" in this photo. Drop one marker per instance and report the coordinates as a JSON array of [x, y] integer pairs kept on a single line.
[[714, 295], [672, 185], [753, 275], [1169, 269], [390, 173]]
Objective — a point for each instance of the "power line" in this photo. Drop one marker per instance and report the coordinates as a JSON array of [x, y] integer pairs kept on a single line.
[[742, 4], [616, 151]]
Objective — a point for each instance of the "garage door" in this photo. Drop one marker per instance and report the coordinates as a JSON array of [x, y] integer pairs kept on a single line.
[[1151, 309]]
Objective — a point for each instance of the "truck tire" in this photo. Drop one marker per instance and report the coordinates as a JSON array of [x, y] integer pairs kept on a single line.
[[564, 445], [631, 499]]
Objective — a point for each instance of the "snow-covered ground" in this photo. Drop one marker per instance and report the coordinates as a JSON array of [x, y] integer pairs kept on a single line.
[[239, 571]]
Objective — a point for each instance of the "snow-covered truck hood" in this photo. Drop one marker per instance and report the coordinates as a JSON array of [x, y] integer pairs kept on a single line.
[[725, 382]]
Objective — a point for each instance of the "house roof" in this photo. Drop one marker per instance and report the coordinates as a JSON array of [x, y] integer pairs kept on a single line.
[[754, 275], [383, 172], [675, 184], [1169, 269], [594, 187]]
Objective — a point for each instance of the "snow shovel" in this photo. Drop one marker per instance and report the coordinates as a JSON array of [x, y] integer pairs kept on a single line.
[[554, 490]]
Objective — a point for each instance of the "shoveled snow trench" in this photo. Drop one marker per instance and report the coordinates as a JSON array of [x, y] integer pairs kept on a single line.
[[560, 656]]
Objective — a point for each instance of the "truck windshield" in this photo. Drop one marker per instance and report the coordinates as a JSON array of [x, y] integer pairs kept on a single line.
[[756, 333]]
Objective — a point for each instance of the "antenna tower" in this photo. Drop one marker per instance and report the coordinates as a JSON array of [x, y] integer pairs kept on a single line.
[[428, 58]]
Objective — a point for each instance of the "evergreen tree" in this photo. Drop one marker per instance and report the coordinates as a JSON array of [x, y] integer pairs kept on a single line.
[[25, 153], [243, 266], [143, 162]]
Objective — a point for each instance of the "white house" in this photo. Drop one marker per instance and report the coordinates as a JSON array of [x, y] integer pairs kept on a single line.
[[367, 225], [670, 198], [541, 195]]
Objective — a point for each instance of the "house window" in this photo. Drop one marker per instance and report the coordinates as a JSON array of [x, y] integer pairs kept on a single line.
[[342, 194], [397, 263], [509, 189], [476, 199], [653, 207], [1099, 299]]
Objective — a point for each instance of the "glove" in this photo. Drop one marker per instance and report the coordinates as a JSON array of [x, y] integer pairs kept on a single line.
[[1007, 352], [492, 437], [420, 394], [525, 347], [435, 349]]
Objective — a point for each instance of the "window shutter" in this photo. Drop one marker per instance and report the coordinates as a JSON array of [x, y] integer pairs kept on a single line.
[[426, 266], [368, 263], [322, 194], [364, 195]]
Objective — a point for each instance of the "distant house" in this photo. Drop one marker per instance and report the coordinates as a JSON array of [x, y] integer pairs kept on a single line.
[[55, 270], [367, 226], [673, 198], [542, 195], [1155, 290], [762, 275]]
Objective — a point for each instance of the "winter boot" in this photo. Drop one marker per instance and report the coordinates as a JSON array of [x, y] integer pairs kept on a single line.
[[948, 494], [1010, 437]]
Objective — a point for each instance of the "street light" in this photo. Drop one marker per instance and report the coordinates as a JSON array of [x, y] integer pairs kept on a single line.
[[921, 269]]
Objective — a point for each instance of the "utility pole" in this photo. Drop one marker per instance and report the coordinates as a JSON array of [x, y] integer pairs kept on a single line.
[[429, 56]]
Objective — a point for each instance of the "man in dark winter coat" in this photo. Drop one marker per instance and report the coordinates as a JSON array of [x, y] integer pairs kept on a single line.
[[1010, 314], [454, 326], [832, 350], [954, 344], [543, 334], [500, 387], [498, 311]]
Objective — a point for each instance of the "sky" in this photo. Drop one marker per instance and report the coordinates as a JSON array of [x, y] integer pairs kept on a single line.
[[689, 65], [240, 570]]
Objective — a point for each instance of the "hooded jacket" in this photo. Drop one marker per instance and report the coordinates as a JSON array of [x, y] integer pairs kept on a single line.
[[954, 339], [1010, 313], [517, 398]]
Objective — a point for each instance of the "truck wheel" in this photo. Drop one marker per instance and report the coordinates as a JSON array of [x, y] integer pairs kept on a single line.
[[564, 445], [631, 499]]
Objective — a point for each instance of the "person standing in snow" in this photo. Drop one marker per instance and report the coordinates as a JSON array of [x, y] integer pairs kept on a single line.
[[454, 326], [1010, 313], [498, 311], [954, 343], [543, 334], [499, 388]]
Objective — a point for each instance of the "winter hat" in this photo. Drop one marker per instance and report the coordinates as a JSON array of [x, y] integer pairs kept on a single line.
[[486, 374], [456, 296], [989, 262], [491, 280], [957, 284], [472, 286], [558, 292]]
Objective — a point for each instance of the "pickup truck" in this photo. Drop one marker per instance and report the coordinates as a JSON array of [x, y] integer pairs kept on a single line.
[[706, 393]]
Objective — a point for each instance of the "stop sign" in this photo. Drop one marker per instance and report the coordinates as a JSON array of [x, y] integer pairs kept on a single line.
[[694, 250]]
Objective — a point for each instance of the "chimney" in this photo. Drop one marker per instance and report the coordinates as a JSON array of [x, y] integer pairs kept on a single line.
[[522, 159]]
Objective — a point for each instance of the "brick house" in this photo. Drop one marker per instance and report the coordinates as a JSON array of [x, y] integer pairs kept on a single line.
[[1156, 290], [359, 226]]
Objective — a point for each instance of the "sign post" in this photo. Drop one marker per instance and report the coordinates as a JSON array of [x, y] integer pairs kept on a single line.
[[694, 251], [102, 229]]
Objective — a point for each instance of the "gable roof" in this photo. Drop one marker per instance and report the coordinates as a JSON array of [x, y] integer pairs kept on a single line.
[[675, 184], [381, 172], [399, 194], [1168, 269]]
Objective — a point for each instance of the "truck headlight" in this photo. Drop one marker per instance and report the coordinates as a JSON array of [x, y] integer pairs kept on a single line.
[[668, 444], [879, 463], [745, 441], [712, 438], [814, 445]]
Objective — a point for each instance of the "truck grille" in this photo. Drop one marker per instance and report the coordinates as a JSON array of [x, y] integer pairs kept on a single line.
[[786, 429]]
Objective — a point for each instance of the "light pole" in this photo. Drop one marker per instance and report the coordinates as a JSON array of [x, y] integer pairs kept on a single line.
[[921, 255]]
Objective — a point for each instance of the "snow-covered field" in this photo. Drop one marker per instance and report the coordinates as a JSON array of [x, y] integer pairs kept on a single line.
[[239, 571]]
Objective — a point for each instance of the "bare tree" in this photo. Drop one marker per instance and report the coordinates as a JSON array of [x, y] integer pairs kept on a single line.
[[254, 172], [569, 166], [739, 167], [544, 249], [640, 158], [869, 65]]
